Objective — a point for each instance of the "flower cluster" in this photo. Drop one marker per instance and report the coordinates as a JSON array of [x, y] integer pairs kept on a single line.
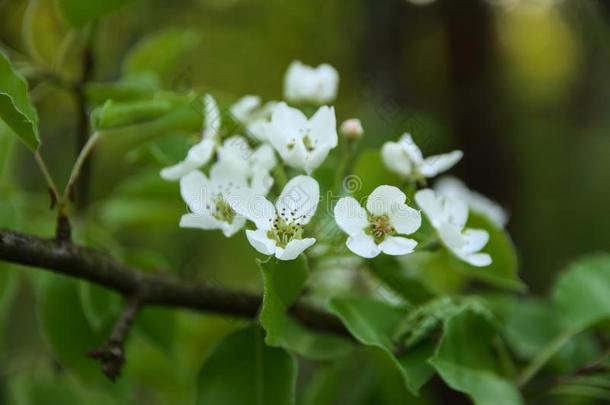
[[227, 177]]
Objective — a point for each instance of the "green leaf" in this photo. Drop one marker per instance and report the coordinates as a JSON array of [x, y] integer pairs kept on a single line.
[[43, 32], [100, 306], [114, 114], [374, 323], [79, 13], [243, 370], [283, 282], [582, 292], [16, 109], [138, 86], [400, 279], [161, 54], [67, 329], [465, 359]]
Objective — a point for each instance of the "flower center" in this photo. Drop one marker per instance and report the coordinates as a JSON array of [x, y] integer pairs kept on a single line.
[[380, 226], [285, 227], [223, 211]]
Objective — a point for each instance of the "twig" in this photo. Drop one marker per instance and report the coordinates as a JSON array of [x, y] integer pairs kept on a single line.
[[76, 170], [99, 268], [112, 353]]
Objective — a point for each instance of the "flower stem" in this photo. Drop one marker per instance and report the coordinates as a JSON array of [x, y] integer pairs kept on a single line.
[[76, 169]]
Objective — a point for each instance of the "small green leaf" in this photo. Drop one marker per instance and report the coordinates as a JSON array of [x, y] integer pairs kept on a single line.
[[114, 114], [398, 278], [283, 282], [161, 54], [582, 292], [43, 32], [374, 323], [16, 109], [79, 13], [243, 370], [465, 360], [135, 87]]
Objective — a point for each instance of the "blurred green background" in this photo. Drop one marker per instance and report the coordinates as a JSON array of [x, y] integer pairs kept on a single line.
[[521, 86]]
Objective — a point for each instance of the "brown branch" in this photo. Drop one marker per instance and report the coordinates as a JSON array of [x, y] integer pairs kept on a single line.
[[99, 268], [112, 353]]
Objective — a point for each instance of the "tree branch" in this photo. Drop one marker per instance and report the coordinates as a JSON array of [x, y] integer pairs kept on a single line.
[[151, 289], [111, 354]]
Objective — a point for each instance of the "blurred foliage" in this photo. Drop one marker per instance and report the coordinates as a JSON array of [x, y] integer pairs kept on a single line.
[[552, 109]]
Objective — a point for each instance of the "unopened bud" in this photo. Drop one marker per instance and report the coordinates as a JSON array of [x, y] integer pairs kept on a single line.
[[352, 129]]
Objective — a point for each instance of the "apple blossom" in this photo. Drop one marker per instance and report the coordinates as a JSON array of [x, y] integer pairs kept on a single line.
[[448, 216], [306, 84], [378, 228], [280, 228], [208, 199], [302, 143], [200, 153], [405, 158]]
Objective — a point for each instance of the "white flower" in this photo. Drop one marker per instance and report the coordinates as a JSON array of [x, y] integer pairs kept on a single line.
[[351, 129], [448, 216], [302, 143], [405, 158], [453, 187], [202, 152], [208, 199], [377, 228], [250, 113], [254, 164], [280, 228], [306, 84]]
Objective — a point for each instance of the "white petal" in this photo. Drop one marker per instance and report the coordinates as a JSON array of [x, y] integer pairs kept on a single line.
[[405, 219], [397, 246], [259, 241], [230, 229], [226, 177], [350, 216], [363, 245], [198, 155], [434, 165], [476, 239], [195, 191], [299, 199], [315, 158], [478, 260], [430, 204], [323, 127], [212, 117], [236, 151], [261, 183], [200, 221], [263, 158], [385, 199], [452, 237], [288, 119], [253, 206], [395, 160], [292, 150], [294, 248], [455, 211], [258, 130], [242, 109], [411, 149]]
